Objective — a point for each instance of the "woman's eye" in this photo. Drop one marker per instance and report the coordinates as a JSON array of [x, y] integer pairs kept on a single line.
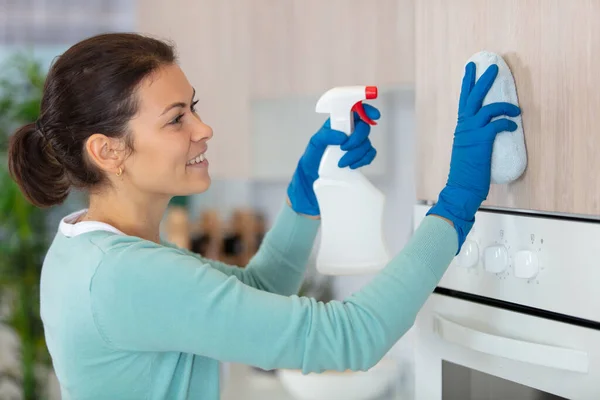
[[177, 120]]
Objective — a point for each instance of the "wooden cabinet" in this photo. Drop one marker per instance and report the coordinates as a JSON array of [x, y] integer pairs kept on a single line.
[[553, 50], [346, 42], [304, 47], [213, 46], [272, 56], [235, 52]]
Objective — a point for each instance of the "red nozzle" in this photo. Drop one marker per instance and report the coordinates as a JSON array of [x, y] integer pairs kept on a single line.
[[359, 109], [371, 92]]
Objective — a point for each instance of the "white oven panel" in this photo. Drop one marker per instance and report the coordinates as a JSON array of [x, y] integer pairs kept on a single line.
[[547, 263], [538, 353]]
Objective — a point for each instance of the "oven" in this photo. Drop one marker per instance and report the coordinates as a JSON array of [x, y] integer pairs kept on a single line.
[[517, 314]]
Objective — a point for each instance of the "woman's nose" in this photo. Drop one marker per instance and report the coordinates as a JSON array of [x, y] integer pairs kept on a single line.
[[201, 131]]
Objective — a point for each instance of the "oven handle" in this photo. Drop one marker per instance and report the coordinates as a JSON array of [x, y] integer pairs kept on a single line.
[[518, 350]]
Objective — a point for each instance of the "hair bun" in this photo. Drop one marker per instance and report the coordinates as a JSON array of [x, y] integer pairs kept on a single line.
[[33, 165]]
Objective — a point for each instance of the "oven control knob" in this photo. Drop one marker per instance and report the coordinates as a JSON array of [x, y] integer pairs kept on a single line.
[[469, 254], [526, 264], [495, 259]]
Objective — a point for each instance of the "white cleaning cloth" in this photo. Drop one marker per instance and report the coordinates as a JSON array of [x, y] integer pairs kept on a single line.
[[509, 157]]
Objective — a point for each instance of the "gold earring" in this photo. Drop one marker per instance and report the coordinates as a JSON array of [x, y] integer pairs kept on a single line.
[[120, 171]]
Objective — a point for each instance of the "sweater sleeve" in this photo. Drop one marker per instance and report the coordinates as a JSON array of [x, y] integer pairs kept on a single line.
[[280, 263], [146, 297]]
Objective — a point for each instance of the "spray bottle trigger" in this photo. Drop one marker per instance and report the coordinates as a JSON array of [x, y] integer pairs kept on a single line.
[[360, 110]]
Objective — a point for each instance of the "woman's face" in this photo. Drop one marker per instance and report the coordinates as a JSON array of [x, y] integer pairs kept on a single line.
[[169, 138]]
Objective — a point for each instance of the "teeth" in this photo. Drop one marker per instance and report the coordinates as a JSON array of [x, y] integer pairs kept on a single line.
[[196, 160]]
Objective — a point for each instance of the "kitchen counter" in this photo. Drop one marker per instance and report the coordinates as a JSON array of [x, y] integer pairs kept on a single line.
[[243, 382]]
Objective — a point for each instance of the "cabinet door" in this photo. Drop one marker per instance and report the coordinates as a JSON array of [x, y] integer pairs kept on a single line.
[[272, 48], [351, 42], [553, 50], [213, 46]]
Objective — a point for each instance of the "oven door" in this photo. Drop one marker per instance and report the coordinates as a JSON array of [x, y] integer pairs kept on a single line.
[[470, 351]]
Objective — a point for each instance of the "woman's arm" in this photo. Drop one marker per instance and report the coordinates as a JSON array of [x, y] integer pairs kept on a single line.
[[280, 263], [146, 297]]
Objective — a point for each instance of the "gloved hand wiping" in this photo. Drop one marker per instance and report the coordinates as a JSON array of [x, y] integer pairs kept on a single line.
[[470, 165], [359, 152]]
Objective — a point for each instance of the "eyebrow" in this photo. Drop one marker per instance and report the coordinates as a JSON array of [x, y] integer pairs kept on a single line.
[[179, 104]]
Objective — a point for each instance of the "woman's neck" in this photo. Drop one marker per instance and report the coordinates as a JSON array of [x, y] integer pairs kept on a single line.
[[133, 215]]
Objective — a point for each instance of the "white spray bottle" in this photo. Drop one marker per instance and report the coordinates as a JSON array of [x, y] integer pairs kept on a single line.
[[351, 207]]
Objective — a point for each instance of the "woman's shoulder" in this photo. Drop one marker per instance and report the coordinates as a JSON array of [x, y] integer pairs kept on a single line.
[[102, 247], [108, 242], [123, 253], [106, 255]]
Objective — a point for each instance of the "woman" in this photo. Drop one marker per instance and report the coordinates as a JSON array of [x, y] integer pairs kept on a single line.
[[128, 317]]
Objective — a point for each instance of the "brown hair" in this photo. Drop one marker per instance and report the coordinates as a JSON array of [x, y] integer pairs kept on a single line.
[[89, 89]]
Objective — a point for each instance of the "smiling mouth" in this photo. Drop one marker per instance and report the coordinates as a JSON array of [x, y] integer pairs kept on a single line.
[[196, 160]]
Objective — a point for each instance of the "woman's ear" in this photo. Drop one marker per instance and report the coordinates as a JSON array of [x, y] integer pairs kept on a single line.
[[106, 153]]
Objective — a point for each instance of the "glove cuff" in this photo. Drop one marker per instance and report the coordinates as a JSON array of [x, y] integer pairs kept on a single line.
[[299, 198], [459, 206]]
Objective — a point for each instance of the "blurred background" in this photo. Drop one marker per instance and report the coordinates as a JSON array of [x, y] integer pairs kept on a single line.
[[258, 67]]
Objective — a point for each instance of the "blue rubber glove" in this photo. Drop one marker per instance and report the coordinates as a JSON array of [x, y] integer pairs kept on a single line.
[[470, 165], [359, 152]]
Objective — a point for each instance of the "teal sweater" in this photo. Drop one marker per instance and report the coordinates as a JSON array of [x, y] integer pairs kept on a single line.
[[126, 318]]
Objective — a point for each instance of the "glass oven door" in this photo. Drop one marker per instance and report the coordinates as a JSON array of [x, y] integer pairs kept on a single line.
[[464, 383]]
